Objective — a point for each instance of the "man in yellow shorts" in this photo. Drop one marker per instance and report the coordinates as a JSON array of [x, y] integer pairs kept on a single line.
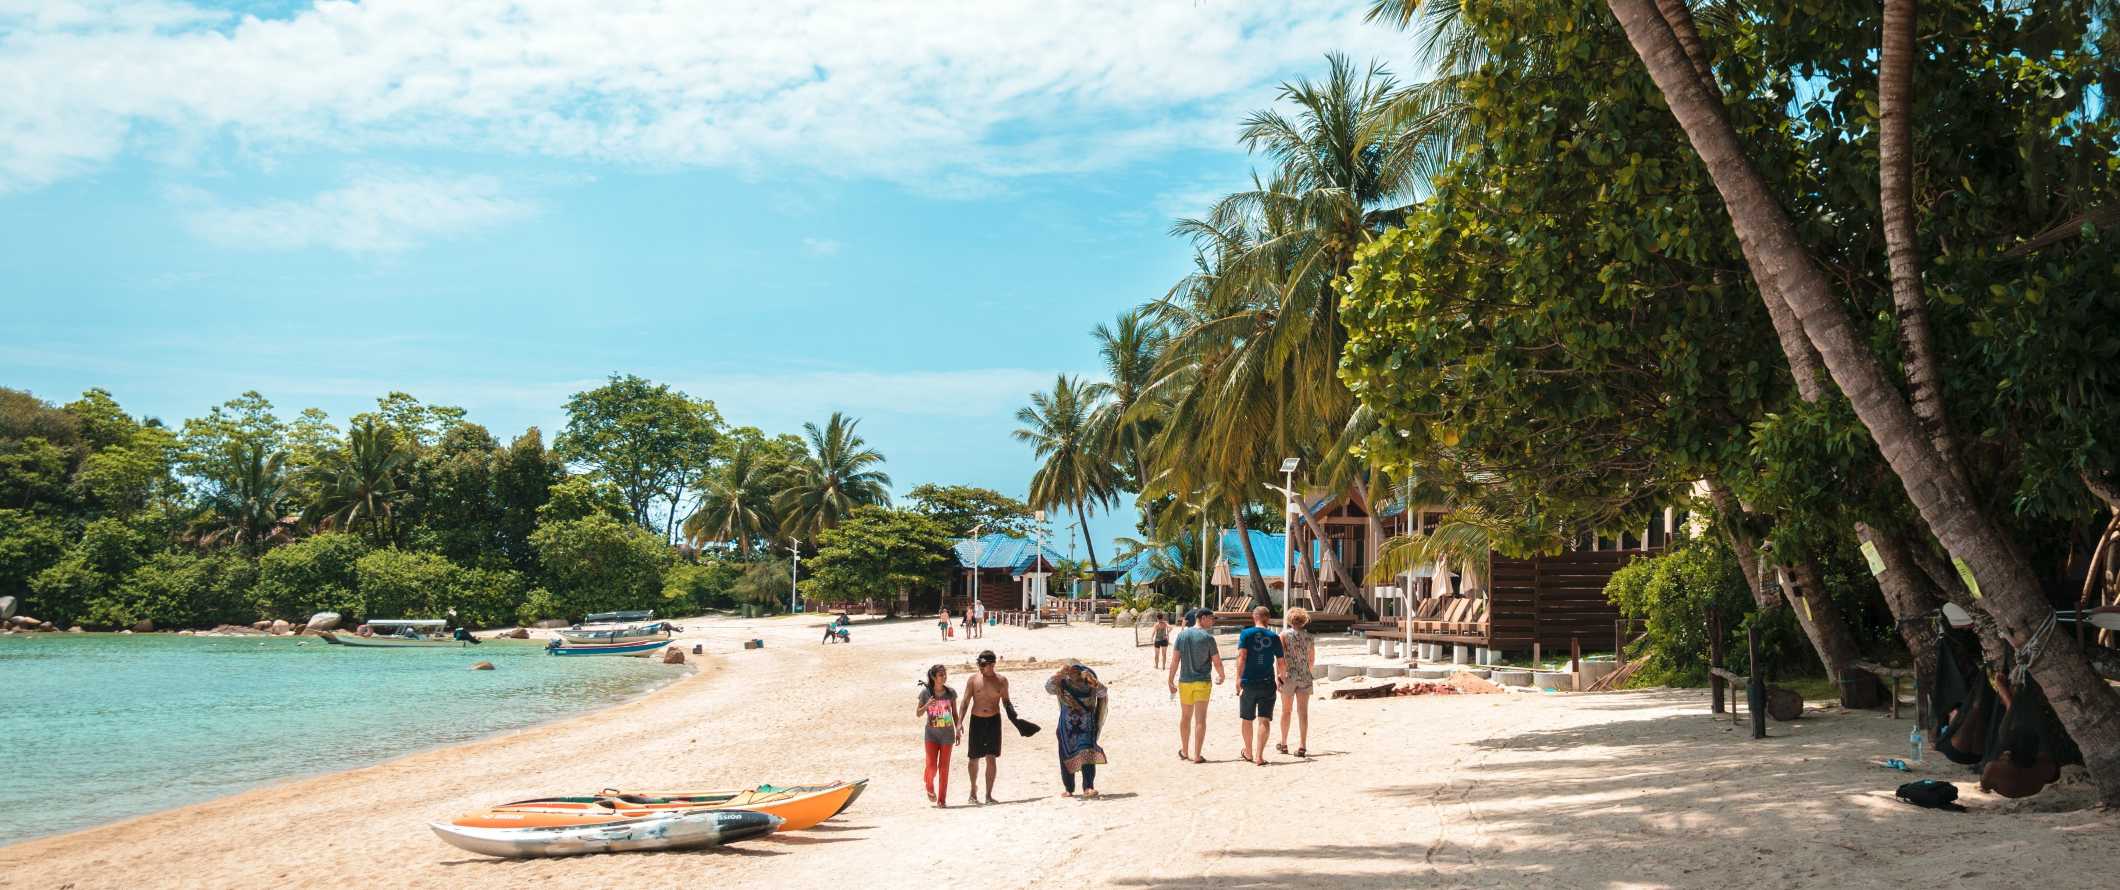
[[1198, 656]]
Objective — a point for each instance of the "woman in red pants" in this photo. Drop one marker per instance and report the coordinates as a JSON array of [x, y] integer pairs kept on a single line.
[[938, 713]]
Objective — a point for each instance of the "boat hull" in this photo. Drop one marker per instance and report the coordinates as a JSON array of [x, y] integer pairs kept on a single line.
[[682, 830], [798, 808], [644, 648], [606, 637], [360, 642]]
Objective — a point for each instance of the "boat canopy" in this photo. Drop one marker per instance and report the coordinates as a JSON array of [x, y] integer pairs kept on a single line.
[[408, 622], [608, 617]]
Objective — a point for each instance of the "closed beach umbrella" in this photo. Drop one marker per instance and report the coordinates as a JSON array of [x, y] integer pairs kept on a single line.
[[1221, 573]]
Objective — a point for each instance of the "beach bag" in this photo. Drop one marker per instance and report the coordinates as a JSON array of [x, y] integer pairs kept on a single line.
[[1023, 727], [1931, 794]]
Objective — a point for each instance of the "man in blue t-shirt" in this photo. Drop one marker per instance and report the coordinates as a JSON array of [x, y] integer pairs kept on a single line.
[[1262, 668]]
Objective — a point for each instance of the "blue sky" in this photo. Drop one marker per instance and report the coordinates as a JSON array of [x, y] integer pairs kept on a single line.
[[910, 212]]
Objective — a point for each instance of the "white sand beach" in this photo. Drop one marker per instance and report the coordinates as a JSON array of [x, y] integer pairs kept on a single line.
[[1637, 789]]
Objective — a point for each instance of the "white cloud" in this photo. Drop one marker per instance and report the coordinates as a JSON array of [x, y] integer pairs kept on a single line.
[[372, 213], [820, 246], [950, 96]]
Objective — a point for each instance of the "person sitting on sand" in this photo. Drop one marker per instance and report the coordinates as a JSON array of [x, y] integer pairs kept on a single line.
[[1302, 656], [986, 693], [938, 714], [1161, 638], [838, 628], [1197, 657], [1261, 667], [1082, 705]]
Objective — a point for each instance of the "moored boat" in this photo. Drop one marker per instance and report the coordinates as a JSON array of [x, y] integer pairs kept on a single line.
[[397, 633], [669, 830], [800, 807], [639, 633], [637, 649]]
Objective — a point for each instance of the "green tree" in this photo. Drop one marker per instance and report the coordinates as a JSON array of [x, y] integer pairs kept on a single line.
[[736, 500], [178, 588], [361, 486], [837, 476], [599, 564], [523, 478], [29, 544], [403, 583], [453, 504], [244, 505], [88, 571], [1075, 470], [879, 554], [962, 508], [1129, 350], [647, 439]]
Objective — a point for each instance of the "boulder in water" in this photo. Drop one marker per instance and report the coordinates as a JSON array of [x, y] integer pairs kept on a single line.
[[241, 630], [673, 655], [261, 625], [483, 666], [280, 627], [144, 627], [516, 634], [7, 607], [47, 627], [551, 623], [23, 621], [76, 629], [187, 633], [323, 621]]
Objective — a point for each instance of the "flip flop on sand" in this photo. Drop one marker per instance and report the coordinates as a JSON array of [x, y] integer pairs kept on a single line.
[[1282, 747], [1302, 752], [1199, 760], [1247, 757]]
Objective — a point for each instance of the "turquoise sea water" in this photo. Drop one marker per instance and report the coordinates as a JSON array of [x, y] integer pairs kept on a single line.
[[118, 725]]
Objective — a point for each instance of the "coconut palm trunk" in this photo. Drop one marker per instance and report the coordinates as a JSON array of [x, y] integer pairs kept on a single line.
[[1895, 162], [2086, 705], [1251, 562]]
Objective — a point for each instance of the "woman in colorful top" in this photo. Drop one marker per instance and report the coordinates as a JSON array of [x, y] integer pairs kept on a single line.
[[1302, 654], [1082, 704], [938, 716], [1162, 640]]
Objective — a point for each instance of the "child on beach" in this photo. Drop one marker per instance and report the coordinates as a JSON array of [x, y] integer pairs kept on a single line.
[[938, 716], [944, 624]]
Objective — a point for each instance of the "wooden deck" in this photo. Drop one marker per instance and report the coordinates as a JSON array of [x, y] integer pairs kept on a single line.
[[1546, 600]]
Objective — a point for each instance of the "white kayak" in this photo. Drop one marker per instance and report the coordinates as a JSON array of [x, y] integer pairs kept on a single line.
[[686, 830]]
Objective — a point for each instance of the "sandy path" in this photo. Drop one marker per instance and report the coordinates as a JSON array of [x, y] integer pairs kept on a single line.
[[1622, 790]]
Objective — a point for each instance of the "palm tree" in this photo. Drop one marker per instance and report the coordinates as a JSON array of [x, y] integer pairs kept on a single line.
[[736, 502], [1130, 351], [1077, 472], [835, 477], [246, 504], [362, 484]]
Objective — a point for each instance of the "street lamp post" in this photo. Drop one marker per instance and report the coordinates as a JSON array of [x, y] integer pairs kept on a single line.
[[794, 565], [1288, 538], [978, 560]]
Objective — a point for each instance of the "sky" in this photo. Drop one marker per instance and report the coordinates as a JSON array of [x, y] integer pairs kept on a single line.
[[913, 212]]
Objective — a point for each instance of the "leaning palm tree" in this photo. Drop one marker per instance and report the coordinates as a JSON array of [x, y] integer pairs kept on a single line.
[[247, 503], [1077, 472], [735, 502], [362, 485], [836, 476]]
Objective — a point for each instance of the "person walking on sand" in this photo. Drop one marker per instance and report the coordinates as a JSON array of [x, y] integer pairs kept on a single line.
[[978, 619], [944, 624], [1161, 638], [938, 716], [986, 695], [1197, 658], [1082, 704], [1261, 666], [1301, 652]]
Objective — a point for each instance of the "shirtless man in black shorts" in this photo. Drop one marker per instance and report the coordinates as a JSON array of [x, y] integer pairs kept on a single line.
[[986, 694]]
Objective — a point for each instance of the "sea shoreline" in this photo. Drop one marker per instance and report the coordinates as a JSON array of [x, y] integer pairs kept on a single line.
[[690, 671]]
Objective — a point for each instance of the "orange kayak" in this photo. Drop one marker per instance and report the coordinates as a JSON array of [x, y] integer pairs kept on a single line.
[[798, 807]]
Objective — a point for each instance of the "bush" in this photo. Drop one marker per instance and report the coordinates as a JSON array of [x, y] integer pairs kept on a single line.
[[179, 588], [481, 597], [28, 544], [1672, 594], [692, 588], [402, 583], [66, 591], [309, 576]]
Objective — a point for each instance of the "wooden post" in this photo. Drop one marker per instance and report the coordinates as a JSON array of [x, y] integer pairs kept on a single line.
[[1619, 643], [1717, 686], [1756, 684], [1538, 657], [1575, 660]]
